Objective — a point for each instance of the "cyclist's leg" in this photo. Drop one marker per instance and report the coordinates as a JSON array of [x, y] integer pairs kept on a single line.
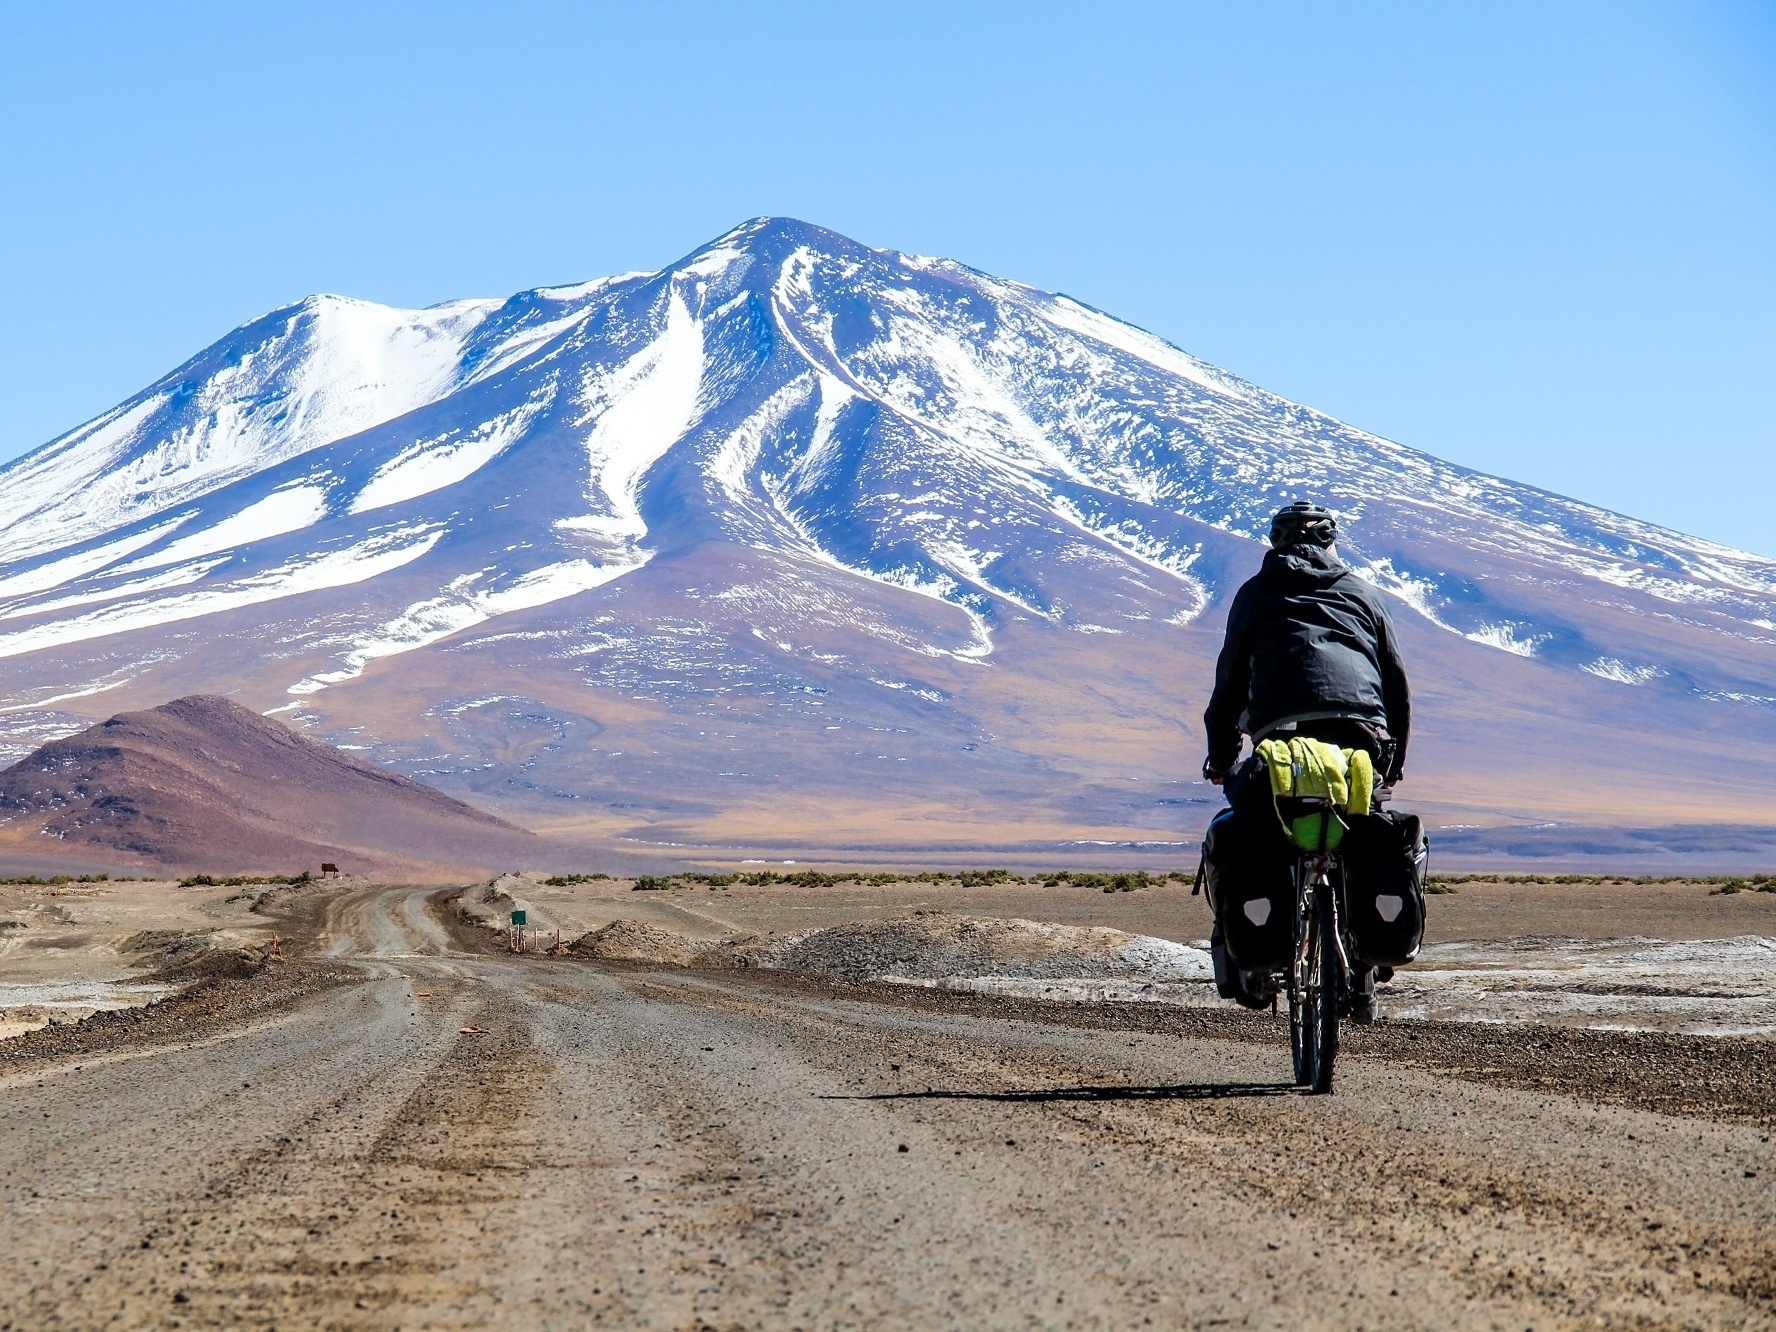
[[1363, 1008], [1226, 978]]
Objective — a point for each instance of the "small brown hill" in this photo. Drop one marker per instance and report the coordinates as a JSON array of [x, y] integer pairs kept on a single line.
[[203, 783]]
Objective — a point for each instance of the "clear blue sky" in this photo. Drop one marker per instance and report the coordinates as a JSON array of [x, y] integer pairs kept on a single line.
[[1538, 239]]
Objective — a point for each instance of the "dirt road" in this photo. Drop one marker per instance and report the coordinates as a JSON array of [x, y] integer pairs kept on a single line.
[[681, 1149]]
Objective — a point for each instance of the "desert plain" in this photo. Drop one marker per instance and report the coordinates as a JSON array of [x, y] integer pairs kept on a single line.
[[804, 1105]]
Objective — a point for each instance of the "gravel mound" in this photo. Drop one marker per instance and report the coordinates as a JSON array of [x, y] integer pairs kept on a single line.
[[189, 955], [923, 946], [636, 941], [938, 945]]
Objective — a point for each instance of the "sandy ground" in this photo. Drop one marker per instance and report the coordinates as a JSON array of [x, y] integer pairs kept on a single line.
[[68, 950], [396, 1130]]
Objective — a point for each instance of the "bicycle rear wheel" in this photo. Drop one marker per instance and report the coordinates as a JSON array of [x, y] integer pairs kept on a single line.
[[1313, 997]]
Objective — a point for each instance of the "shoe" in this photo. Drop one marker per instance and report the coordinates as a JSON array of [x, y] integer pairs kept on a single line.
[[1362, 1009], [1257, 989], [1250, 989], [1383, 975]]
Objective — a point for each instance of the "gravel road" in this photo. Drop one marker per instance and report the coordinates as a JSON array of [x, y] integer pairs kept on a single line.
[[683, 1149]]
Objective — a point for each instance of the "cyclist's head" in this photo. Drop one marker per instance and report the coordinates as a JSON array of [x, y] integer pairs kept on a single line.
[[1302, 524]]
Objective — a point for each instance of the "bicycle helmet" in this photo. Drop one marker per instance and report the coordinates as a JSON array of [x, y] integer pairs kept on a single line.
[[1303, 523]]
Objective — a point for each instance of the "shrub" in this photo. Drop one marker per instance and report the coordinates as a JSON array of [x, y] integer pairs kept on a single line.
[[237, 880], [982, 878], [1127, 882]]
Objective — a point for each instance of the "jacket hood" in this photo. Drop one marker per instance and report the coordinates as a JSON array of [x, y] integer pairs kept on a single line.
[[1299, 566]]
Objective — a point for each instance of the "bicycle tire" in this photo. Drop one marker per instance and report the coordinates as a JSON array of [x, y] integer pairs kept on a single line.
[[1298, 1048], [1323, 962], [1303, 1028]]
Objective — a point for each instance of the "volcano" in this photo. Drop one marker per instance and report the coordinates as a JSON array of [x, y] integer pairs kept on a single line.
[[801, 544]]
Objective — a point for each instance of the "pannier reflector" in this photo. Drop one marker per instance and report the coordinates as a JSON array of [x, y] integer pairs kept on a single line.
[[1257, 910], [1388, 907]]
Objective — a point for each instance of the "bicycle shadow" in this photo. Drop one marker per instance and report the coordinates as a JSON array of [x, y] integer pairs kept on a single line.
[[1184, 1091]]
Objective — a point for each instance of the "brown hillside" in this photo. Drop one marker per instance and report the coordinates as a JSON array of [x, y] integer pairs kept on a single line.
[[203, 783]]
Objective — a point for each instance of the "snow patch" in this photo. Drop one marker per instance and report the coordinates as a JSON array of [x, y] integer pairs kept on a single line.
[[279, 513], [1504, 637], [1613, 668], [69, 567], [640, 411], [84, 691], [738, 454], [355, 564], [1419, 593], [461, 606], [181, 576], [1064, 312], [432, 464]]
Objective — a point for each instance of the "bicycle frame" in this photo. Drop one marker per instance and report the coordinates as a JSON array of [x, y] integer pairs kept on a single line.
[[1313, 877]]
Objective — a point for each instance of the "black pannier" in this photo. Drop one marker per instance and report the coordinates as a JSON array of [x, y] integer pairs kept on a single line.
[[1248, 868], [1385, 859]]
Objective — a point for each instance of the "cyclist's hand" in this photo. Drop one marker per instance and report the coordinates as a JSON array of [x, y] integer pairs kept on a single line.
[[1213, 774]]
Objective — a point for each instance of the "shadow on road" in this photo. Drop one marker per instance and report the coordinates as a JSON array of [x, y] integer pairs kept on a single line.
[[1187, 1091]]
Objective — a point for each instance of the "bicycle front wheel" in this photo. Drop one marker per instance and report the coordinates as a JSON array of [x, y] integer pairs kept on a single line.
[[1304, 1030], [1301, 1044], [1324, 961]]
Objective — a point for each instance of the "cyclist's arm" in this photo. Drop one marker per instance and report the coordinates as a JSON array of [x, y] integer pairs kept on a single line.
[[1233, 683], [1396, 694]]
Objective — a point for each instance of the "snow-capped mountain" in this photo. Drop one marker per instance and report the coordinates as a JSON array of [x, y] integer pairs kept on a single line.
[[796, 532]]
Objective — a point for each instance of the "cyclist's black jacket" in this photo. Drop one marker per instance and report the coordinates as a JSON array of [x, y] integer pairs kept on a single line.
[[1306, 639]]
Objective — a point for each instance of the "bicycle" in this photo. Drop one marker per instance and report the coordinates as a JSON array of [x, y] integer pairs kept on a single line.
[[1320, 980], [1321, 963]]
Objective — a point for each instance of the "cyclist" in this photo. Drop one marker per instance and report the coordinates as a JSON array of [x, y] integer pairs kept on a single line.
[[1310, 651]]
